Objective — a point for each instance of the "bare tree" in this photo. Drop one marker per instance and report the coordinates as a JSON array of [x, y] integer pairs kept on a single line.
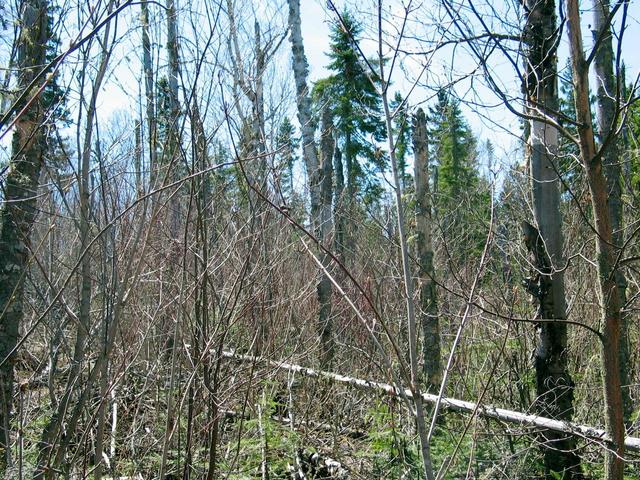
[[554, 385], [605, 250], [150, 108], [406, 266], [608, 116], [428, 296], [320, 173], [74, 387]]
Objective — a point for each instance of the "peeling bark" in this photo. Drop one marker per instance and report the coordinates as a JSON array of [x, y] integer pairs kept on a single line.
[[320, 175], [307, 128], [554, 385]]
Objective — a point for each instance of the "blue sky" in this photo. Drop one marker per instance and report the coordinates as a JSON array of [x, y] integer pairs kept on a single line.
[[498, 125], [488, 118]]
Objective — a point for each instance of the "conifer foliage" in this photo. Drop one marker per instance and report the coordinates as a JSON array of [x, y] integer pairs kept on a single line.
[[292, 239]]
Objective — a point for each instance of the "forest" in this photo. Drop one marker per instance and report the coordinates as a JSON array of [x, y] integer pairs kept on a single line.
[[305, 239]]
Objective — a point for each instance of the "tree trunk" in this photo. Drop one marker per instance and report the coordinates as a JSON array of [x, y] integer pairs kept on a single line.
[[138, 157], [338, 212], [19, 209], [109, 278], [349, 208], [554, 386], [301, 72], [174, 142], [605, 254], [428, 300], [148, 89], [519, 419], [327, 145], [174, 148], [608, 95], [320, 177]]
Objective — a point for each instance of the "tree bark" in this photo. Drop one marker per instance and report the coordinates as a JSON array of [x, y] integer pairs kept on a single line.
[[138, 157], [327, 145], [554, 385], [148, 89], [605, 251], [428, 300], [300, 73], [174, 142], [338, 211], [320, 176], [608, 96], [19, 210]]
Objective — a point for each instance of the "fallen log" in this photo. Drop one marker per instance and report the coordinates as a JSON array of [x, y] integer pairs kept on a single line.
[[489, 411]]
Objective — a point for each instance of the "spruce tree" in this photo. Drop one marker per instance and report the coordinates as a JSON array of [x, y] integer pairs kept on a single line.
[[402, 134], [462, 194], [286, 146], [355, 104], [568, 151], [454, 149]]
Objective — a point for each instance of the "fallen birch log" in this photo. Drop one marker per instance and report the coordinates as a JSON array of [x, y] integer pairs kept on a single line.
[[510, 416]]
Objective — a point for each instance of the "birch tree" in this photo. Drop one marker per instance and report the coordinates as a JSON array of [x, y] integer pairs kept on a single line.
[[554, 385], [320, 177]]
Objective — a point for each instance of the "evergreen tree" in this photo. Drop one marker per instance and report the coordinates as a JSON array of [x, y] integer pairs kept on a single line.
[[402, 134], [454, 148], [286, 146], [355, 105], [631, 142], [463, 197], [568, 151]]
